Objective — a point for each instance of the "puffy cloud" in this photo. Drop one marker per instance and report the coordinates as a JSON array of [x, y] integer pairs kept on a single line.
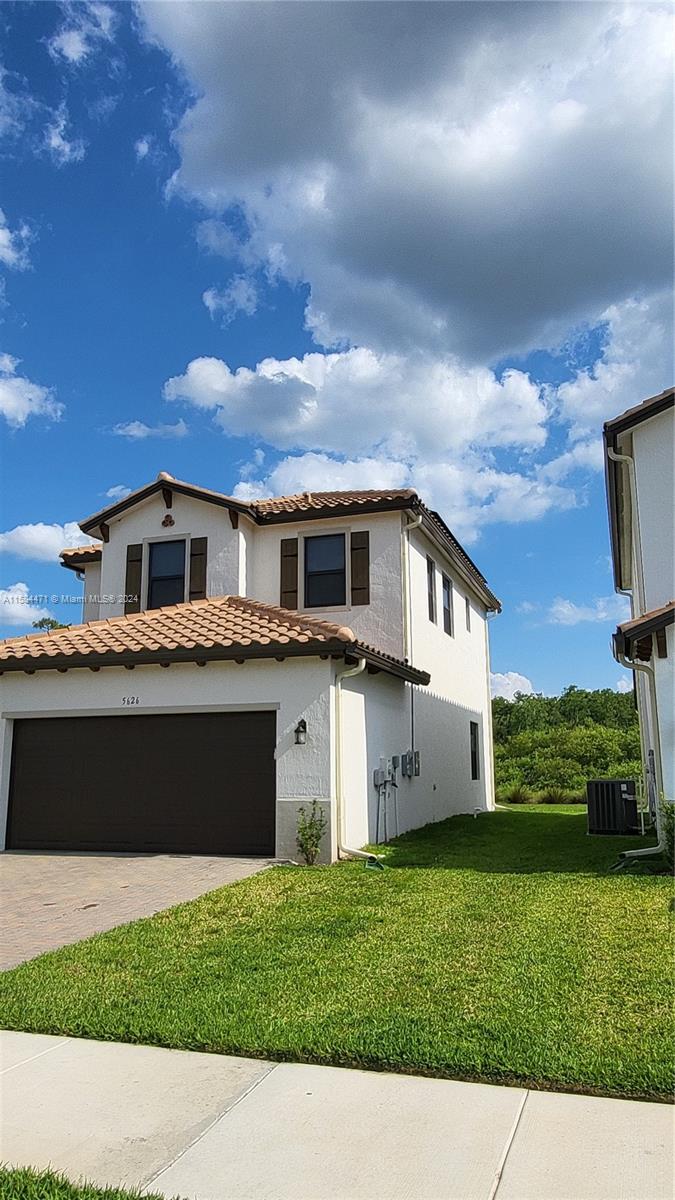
[[137, 431], [415, 405], [624, 684], [20, 398], [240, 296], [635, 362], [434, 199], [85, 29], [19, 607], [318, 472], [509, 683], [62, 149], [118, 492], [14, 243], [611, 609], [41, 542], [142, 147]]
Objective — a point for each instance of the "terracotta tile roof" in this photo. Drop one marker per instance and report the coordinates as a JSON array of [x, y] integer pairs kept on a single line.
[[303, 502], [79, 556], [661, 616], [224, 627]]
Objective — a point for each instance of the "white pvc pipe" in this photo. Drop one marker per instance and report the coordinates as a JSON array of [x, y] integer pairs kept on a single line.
[[405, 572], [651, 692], [637, 540], [343, 850]]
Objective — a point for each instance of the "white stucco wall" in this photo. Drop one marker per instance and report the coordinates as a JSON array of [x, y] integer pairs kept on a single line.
[[193, 518], [92, 590], [654, 456], [295, 688], [664, 676], [379, 623], [459, 666]]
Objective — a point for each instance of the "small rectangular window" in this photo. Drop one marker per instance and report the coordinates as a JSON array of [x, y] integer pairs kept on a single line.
[[166, 574], [447, 606], [431, 589], [325, 572], [467, 603], [475, 764]]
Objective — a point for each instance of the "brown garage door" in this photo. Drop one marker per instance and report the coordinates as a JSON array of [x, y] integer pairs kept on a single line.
[[198, 783]]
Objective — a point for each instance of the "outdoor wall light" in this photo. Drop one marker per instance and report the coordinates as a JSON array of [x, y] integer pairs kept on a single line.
[[301, 732]]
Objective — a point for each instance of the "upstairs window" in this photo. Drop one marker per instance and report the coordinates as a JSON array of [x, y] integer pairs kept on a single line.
[[431, 589], [475, 764], [166, 574], [467, 604], [325, 571], [448, 617]]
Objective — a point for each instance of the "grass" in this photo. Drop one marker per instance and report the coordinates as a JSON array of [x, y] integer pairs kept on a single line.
[[497, 948], [24, 1184]]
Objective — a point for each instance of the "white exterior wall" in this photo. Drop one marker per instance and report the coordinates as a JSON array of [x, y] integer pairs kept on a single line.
[[664, 677], [295, 688], [654, 456], [459, 666], [193, 518], [92, 590], [379, 623]]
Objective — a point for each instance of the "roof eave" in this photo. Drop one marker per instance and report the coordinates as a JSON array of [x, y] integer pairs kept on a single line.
[[174, 485]]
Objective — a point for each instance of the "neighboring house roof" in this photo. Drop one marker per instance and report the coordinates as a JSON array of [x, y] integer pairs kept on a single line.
[[223, 628], [635, 636], [78, 557], [305, 506], [618, 497]]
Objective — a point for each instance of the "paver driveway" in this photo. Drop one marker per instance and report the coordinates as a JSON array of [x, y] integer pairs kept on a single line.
[[49, 900]]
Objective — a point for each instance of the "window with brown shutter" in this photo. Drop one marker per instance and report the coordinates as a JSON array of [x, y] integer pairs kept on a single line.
[[360, 552], [198, 568], [132, 586], [289, 573]]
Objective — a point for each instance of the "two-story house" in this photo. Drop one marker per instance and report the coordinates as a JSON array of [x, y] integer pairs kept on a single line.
[[639, 461], [241, 659]]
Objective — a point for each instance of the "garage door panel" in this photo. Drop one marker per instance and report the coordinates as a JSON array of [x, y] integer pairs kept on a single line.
[[190, 783]]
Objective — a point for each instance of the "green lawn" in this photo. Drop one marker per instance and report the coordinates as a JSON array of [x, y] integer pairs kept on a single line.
[[23, 1184], [496, 948]]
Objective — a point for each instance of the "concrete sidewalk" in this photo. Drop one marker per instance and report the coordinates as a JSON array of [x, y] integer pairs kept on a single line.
[[210, 1127]]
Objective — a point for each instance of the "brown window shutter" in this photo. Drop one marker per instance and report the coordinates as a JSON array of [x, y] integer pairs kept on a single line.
[[360, 550], [132, 587], [198, 568], [289, 573]]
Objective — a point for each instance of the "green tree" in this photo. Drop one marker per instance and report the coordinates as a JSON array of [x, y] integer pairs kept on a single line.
[[49, 623]]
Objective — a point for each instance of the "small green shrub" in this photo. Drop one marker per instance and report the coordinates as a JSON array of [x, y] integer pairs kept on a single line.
[[517, 794], [311, 827], [668, 828]]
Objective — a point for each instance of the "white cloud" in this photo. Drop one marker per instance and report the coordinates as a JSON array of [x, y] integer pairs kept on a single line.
[[612, 609], [142, 147], [318, 472], [624, 684], [508, 683], [86, 28], [20, 398], [473, 178], [14, 243], [240, 296], [62, 149], [583, 456], [118, 492], [19, 607], [526, 606], [41, 542], [137, 430]]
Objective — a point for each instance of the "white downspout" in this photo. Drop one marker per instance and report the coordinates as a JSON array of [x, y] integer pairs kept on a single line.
[[637, 539], [343, 850], [405, 572], [651, 692]]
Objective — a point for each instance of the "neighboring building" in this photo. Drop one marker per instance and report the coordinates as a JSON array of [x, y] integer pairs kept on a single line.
[[639, 457], [241, 659]]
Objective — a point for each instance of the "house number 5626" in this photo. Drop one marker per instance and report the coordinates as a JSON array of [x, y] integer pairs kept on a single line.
[[129, 700]]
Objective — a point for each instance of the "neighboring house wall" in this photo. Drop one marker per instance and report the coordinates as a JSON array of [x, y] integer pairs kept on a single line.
[[295, 688], [654, 458], [379, 623]]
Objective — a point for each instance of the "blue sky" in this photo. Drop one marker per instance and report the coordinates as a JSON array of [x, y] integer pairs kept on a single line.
[[269, 247]]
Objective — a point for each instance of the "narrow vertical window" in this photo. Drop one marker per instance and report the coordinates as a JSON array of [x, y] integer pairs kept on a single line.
[[475, 764], [431, 589], [467, 603], [447, 606], [325, 572], [166, 574]]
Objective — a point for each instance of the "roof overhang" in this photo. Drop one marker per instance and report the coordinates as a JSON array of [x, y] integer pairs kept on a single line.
[[350, 651], [80, 557], [168, 486], [634, 639]]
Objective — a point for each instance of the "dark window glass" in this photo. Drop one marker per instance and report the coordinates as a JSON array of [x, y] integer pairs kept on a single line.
[[166, 574], [431, 588], [475, 765], [325, 576], [468, 614], [447, 605]]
